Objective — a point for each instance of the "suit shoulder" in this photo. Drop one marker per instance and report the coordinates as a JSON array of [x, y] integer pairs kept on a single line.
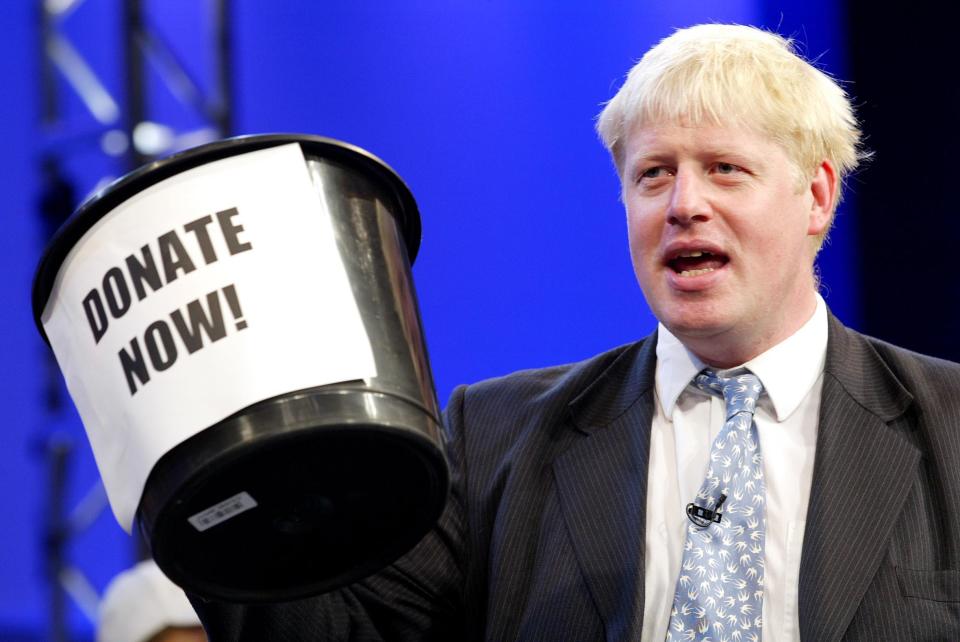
[[933, 384], [914, 365], [540, 388]]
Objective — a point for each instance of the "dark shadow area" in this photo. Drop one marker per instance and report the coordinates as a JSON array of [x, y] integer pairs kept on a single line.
[[903, 67]]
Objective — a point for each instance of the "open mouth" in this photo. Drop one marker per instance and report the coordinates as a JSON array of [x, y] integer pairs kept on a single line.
[[696, 262]]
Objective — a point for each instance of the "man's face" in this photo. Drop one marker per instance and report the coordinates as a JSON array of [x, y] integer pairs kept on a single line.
[[721, 235]]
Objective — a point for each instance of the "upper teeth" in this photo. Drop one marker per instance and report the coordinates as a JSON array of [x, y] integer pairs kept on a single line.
[[694, 254]]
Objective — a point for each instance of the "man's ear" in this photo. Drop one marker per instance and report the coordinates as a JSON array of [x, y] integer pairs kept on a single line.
[[823, 188]]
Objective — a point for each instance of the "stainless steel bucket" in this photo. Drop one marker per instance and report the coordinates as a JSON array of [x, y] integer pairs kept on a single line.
[[345, 477]]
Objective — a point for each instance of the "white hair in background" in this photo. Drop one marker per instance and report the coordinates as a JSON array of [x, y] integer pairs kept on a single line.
[[141, 602]]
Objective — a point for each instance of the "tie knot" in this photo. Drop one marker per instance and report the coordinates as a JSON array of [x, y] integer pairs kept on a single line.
[[740, 390]]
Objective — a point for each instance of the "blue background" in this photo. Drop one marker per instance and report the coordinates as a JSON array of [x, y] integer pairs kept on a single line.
[[485, 108]]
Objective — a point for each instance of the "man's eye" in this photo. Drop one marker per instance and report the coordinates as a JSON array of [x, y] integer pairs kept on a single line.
[[653, 172], [727, 168]]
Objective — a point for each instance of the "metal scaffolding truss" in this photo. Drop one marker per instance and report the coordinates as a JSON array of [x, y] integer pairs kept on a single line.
[[125, 129], [127, 122]]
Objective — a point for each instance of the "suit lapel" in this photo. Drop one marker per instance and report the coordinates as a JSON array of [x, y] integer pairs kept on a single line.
[[863, 471], [602, 481]]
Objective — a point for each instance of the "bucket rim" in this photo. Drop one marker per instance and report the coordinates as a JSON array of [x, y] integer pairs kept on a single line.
[[98, 204]]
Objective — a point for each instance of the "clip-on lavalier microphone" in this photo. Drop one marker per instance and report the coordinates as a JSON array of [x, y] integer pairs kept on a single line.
[[703, 517]]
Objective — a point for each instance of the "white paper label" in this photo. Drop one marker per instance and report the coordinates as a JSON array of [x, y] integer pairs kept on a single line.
[[230, 507], [205, 293]]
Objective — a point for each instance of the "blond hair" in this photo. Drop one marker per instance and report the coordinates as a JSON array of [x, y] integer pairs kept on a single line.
[[738, 75]]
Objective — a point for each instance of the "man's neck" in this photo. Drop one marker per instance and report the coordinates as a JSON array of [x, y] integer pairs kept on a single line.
[[737, 346]]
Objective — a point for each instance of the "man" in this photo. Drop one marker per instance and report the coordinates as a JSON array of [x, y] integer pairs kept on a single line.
[[580, 507]]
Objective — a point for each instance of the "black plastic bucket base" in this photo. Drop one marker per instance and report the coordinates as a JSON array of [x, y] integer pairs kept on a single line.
[[336, 499]]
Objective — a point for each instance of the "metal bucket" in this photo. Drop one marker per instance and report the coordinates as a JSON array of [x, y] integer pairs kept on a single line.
[[289, 495]]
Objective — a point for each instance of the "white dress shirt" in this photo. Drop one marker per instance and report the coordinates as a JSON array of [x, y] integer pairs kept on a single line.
[[685, 423]]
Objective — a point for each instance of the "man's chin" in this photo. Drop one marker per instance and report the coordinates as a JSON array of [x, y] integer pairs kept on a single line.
[[695, 321], [696, 331]]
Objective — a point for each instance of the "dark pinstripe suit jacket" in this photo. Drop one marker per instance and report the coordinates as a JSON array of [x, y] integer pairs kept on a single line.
[[543, 536]]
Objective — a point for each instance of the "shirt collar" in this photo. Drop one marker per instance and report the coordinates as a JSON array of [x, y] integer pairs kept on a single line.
[[788, 370]]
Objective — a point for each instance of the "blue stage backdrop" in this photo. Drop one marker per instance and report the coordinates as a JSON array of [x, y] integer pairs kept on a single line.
[[486, 109]]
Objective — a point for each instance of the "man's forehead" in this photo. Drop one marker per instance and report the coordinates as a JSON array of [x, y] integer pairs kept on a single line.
[[685, 136]]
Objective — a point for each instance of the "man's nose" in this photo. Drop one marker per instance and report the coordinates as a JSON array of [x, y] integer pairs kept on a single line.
[[688, 202]]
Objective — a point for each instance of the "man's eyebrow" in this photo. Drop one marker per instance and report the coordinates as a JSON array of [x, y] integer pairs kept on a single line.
[[651, 156], [737, 157], [724, 150], [707, 153]]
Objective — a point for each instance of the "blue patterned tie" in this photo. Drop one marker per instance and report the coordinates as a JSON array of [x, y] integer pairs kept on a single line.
[[719, 593]]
